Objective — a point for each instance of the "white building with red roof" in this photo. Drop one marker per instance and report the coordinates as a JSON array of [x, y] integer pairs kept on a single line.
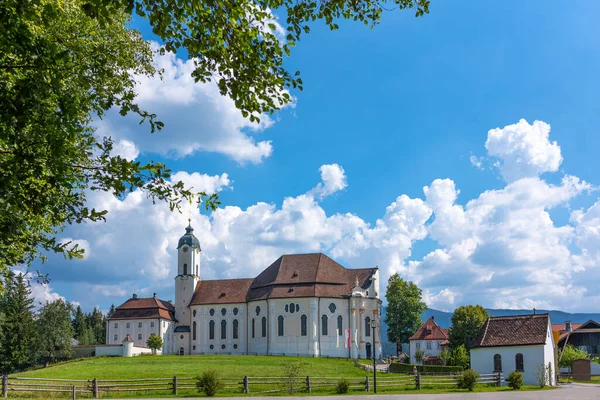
[[431, 339], [302, 304]]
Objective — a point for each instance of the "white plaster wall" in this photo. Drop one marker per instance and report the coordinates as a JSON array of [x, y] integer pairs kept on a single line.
[[107, 351], [482, 360], [165, 331], [202, 318], [258, 343], [435, 350]]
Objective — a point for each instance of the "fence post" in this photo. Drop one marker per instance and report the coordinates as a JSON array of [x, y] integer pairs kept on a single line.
[[175, 385], [74, 392], [95, 387], [367, 384], [246, 385], [498, 379], [4, 385], [418, 380], [308, 384]]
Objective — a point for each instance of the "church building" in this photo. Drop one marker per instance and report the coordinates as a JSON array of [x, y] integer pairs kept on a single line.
[[302, 304]]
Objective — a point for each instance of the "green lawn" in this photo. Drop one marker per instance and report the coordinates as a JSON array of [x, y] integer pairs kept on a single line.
[[235, 367]]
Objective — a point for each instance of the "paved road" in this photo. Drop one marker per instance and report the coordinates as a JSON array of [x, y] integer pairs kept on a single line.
[[569, 391]]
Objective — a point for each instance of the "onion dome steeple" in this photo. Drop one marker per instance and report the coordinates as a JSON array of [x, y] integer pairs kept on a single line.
[[189, 238]]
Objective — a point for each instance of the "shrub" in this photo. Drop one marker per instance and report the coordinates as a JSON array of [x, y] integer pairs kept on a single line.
[[515, 380], [419, 356], [291, 372], [401, 368], [342, 386], [467, 380], [541, 376], [209, 382]]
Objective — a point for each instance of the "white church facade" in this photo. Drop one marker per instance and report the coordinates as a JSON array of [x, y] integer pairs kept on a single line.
[[302, 304]]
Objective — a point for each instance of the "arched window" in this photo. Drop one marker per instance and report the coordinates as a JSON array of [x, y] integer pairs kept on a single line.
[[264, 327], [280, 325], [223, 329], [340, 321], [185, 269], [497, 363], [292, 307], [367, 326], [211, 330], [235, 328], [324, 330], [519, 362], [194, 331], [303, 325], [181, 351], [253, 331]]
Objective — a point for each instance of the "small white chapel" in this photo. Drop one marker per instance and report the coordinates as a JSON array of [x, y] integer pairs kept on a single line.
[[302, 304]]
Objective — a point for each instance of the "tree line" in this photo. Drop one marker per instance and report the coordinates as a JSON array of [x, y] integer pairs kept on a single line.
[[29, 337]]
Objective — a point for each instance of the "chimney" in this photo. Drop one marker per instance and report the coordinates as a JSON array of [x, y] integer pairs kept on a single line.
[[135, 296], [568, 326], [154, 295]]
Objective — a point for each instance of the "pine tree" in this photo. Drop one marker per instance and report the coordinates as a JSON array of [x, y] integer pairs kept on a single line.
[[97, 323], [55, 330], [18, 327], [111, 311], [80, 325]]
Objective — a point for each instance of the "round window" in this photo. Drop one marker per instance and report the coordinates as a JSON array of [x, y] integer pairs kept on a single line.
[[212, 312], [257, 310], [181, 336], [212, 346], [223, 311], [235, 346], [223, 346], [332, 307], [185, 249], [194, 313]]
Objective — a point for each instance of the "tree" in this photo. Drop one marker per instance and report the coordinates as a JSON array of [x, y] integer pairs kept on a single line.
[[460, 357], [97, 322], [466, 323], [405, 306], [111, 311], [445, 356], [79, 324], [55, 331], [154, 342], [419, 356], [569, 354], [62, 64], [18, 327], [59, 69]]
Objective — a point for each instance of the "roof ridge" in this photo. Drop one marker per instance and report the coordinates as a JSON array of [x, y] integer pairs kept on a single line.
[[487, 324]]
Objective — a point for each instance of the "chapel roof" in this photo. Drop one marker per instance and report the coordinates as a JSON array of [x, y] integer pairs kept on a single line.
[[144, 308], [290, 276], [517, 330], [430, 330]]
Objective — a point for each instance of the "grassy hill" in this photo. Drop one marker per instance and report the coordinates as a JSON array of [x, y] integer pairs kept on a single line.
[[191, 366]]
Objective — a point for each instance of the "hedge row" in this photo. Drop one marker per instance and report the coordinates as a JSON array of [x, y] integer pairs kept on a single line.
[[401, 368]]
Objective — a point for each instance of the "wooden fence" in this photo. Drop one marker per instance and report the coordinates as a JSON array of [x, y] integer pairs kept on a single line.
[[256, 385]]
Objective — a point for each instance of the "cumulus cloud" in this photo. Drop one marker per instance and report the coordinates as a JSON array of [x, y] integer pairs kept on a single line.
[[333, 179], [524, 150], [41, 292], [196, 117]]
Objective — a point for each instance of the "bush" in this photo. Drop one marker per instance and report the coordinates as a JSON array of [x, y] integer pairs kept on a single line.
[[515, 380], [342, 386], [291, 372], [467, 380], [401, 368], [541, 375], [209, 383]]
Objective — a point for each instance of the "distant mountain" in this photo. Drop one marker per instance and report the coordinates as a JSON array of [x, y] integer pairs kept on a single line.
[[443, 319]]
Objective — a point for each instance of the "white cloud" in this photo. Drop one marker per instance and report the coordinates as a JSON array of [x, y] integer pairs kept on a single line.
[[196, 118], [41, 292], [333, 179], [524, 150], [477, 162]]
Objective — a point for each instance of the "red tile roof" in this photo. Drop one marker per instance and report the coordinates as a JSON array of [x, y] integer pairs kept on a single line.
[[515, 330], [290, 276], [563, 327], [430, 330], [144, 308]]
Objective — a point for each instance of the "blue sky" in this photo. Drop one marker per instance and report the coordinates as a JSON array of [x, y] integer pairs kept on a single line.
[[387, 111]]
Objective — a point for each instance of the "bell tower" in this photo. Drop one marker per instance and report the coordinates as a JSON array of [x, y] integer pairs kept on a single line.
[[188, 274]]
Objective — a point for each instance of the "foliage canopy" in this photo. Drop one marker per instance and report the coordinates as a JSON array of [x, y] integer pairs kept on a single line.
[[466, 323], [405, 306]]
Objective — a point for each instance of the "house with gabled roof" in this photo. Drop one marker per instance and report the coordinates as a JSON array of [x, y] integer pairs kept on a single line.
[[584, 336], [302, 304], [431, 339], [520, 343]]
